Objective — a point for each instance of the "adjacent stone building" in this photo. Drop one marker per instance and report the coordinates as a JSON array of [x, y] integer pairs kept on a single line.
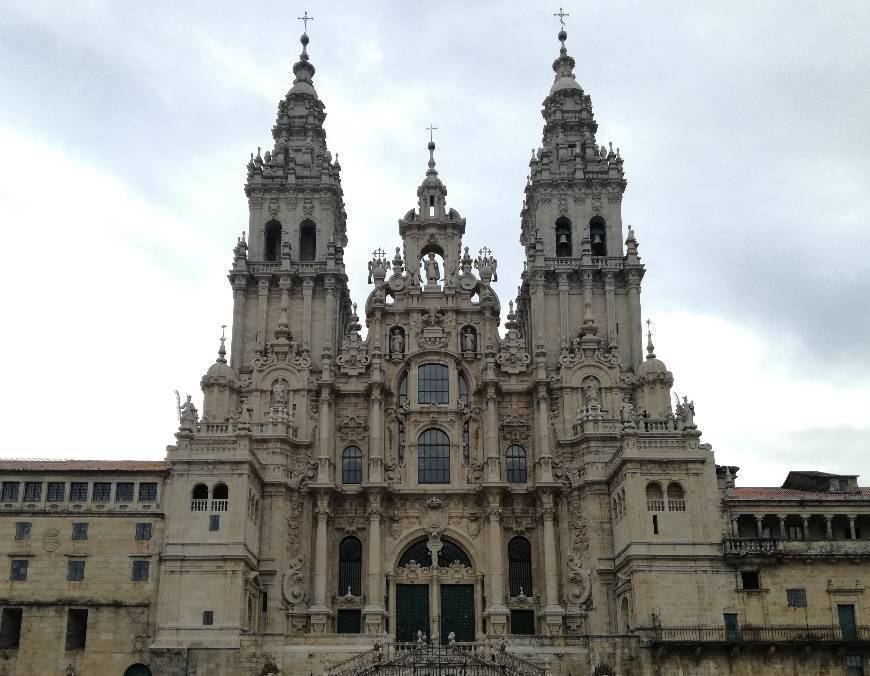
[[440, 480]]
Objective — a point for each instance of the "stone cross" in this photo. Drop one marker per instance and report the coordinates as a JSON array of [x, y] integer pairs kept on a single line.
[[431, 129], [562, 16]]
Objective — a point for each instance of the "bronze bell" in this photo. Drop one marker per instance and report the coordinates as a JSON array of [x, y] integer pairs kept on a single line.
[[596, 238], [563, 238]]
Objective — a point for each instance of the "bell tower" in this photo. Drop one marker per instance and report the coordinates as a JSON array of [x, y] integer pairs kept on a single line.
[[577, 271]]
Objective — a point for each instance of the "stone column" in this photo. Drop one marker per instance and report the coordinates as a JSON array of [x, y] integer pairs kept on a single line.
[[829, 532], [564, 318], [262, 309], [759, 526], [735, 526], [493, 470], [553, 611], [544, 454], [538, 293], [374, 610], [319, 611], [307, 291], [609, 286], [324, 426], [852, 533], [237, 340], [781, 525], [636, 341], [331, 338], [376, 435], [497, 611], [805, 518]]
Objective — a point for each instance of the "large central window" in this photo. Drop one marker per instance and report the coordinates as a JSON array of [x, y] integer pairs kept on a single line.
[[433, 457], [433, 384]]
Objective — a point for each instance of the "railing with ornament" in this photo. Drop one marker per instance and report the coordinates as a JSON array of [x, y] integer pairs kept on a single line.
[[762, 634]]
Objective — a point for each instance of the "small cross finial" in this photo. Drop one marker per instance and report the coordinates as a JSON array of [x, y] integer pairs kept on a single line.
[[223, 330], [379, 254], [305, 19], [431, 129], [561, 16]]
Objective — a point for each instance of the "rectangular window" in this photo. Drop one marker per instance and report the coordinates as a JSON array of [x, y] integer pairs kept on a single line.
[[854, 665], [141, 570], [80, 531], [22, 530], [143, 531], [432, 384], [76, 628], [797, 598], [75, 571], [523, 622], [18, 572], [124, 491], [33, 491], [78, 491], [348, 622], [10, 491], [147, 491], [794, 532], [214, 522], [102, 491], [749, 579], [56, 491], [10, 628], [208, 617], [655, 524]]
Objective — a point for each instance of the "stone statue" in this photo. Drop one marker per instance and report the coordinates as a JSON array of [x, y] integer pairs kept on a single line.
[[591, 391], [397, 343], [626, 410], [469, 340], [245, 413], [279, 393], [188, 416], [685, 411], [433, 272]]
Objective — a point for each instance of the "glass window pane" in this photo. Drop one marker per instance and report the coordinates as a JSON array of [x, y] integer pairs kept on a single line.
[[433, 457], [432, 384], [351, 465], [517, 472]]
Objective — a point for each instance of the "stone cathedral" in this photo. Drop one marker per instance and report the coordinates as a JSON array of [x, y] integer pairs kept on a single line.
[[443, 495]]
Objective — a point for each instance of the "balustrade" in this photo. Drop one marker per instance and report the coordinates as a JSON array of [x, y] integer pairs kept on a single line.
[[758, 634], [220, 505], [199, 505]]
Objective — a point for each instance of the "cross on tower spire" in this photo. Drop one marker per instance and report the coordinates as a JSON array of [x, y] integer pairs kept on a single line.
[[431, 129], [561, 16], [305, 19]]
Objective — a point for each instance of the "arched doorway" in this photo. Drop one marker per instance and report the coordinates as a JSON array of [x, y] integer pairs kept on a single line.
[[137, 670], [435, 592]]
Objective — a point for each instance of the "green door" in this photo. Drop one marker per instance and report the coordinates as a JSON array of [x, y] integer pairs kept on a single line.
[[457, 612], [846, 613], [412, 611]]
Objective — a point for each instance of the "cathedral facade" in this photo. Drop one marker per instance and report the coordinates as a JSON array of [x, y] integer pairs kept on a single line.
[[533, 491]]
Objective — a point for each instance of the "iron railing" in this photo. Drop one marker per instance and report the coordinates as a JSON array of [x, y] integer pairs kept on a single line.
[[761, 634]]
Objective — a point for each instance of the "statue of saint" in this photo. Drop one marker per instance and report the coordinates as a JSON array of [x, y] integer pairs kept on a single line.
[[397, 343], [279, 393], [469, 340], [433, 272], [591, 391], [187, 414]]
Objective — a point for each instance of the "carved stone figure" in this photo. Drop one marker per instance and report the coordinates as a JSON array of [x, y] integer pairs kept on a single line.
[[397, 343], [592, 391], [433, 271], [469, 340], [279, 393], [188, 416]]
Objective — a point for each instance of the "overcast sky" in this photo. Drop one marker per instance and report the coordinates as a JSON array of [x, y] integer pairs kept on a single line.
[[125, 128]]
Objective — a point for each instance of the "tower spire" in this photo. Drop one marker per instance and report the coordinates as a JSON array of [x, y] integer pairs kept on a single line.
[[303, 70]]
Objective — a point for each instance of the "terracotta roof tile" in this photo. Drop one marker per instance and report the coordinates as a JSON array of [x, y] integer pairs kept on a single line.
[[25, 465], [760, 492]]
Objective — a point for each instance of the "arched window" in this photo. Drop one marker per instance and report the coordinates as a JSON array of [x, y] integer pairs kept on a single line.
[[563, 237], [450, 553], [351, 465], [433, 384], [463, 390], [200, 492], [350, 566], [199, 498], [676, 498], [272, 243], [516, 464], [598, 236], [307, 240], [403, 389], [220, 492], [520, 566], [655, 500], [433, 457]]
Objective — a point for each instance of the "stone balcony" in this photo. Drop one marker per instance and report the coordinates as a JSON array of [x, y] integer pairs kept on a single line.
[[776, 548], [761, 634]]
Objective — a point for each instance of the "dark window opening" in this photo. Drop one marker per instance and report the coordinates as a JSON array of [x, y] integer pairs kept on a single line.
[[18, 570], [520, 567], [449, 553], [655, 524], [102, 491], [598, 236], [80, 531], [141, 570], [563, 237], [350, 566], [466, 444], [32, 491], [78, 491], [401, 442], [220, 492], [749, 579], [797, 598], [10, 491], [272, 248], [264, 598], [433, 384], [351, 465], [147, 492], [433, 457], [200, 492], [523, 622], [75, 571], [348, 622], [307, 241], [143, 531], [23, 530], [10, 628], [76, 628], [517, 472], [854, 665], [56, 491], [208, 617], [124, 491], [214, 522]]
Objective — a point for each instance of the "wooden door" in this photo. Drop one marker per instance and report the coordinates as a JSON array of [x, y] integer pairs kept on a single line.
[[412, 611], [457, 612]]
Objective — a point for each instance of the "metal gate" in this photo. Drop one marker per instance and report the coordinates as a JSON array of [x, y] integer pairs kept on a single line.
[[457, 612], [412, 611]]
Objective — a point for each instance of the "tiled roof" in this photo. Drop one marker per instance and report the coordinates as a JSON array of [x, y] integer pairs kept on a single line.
[[758, 492], [24, 465]]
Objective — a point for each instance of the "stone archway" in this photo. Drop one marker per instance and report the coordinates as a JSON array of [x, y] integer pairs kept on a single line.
[[436, 592], [137, 670]]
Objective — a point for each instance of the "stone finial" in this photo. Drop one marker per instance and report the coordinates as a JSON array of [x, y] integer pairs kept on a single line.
[[650, 348], [222, 350]]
